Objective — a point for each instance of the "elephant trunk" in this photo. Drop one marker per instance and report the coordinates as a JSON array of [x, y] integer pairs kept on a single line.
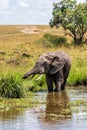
[[31, 72]]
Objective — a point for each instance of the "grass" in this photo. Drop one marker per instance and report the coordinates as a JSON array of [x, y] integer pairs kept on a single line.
[[78, 75], [11, 87], [19, 52], [36, 86], [7, 104]]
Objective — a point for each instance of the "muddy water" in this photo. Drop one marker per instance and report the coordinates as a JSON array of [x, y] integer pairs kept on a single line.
[[56, 111]]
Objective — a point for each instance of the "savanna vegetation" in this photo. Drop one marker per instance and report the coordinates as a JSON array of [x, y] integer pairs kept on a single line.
[[20, 47]]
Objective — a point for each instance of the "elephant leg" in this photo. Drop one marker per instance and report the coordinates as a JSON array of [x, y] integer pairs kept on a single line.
[[63, 85], [59, 79], [57, 86], [65, 79], [49, 83]]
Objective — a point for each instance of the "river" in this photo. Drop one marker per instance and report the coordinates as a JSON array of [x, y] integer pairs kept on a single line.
[[56, 111]]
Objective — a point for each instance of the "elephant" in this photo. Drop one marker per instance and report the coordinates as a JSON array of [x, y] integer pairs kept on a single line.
[[56, 67]]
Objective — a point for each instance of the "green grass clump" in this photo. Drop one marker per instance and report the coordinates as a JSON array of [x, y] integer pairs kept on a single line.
[[50, 40], [36, 85], [11, 87], [78, 73]]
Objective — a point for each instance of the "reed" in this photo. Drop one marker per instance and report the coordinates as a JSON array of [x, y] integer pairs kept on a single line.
[[11, 87]]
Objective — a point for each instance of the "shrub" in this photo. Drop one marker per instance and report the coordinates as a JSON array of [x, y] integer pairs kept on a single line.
[[11, 87], [54, 39]]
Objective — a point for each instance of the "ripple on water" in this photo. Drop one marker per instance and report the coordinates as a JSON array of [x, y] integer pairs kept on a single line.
[[60, 111]]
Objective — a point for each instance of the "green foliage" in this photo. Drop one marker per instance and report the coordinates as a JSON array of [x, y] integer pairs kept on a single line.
[[78, 74], [50, 40], [35, 85], [71, 16], [11, 87]]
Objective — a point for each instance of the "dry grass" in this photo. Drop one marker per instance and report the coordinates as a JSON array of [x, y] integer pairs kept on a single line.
[[14, 43], [19, 51]]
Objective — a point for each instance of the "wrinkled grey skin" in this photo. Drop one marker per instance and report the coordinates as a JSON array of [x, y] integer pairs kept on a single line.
[[56, 67]]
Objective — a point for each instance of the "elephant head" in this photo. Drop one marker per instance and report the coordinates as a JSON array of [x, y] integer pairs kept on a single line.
[[49, 63]]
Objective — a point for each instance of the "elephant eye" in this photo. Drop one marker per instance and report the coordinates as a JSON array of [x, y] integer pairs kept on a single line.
[[38, 63]]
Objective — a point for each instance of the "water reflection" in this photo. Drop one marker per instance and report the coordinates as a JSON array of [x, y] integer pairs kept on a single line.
[[57, 106], [11, 114], [51, 113]]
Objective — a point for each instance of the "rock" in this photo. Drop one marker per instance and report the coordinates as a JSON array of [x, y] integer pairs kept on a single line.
[[13, 61], [2, 52], [1, 60], [25, 54], [16, 51]]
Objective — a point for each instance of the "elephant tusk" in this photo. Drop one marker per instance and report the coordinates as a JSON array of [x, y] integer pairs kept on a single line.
[[39, 77]]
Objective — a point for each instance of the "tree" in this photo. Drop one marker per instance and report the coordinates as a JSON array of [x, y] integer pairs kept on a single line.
[[71, 16]]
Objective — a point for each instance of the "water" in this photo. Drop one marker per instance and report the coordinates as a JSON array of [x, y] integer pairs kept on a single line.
[[56, 111]]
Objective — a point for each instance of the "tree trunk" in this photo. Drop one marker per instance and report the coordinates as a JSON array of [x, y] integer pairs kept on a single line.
[[75, 39], [78, 40]]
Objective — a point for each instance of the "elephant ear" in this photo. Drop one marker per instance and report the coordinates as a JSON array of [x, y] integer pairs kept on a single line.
[[56, 65]]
